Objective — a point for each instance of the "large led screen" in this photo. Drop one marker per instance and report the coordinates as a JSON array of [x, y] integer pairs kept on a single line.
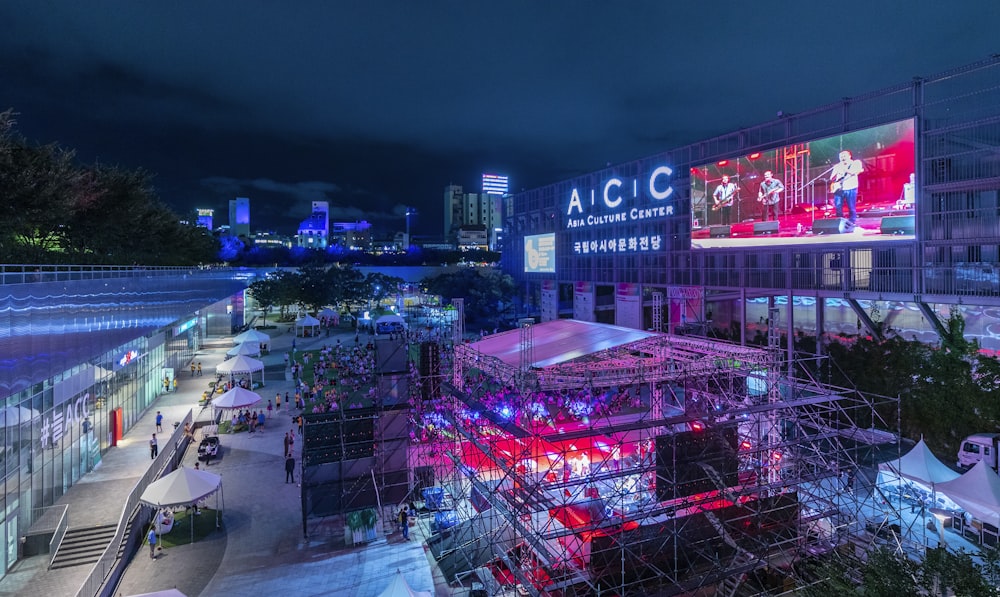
[[858, 186], [540, 253]]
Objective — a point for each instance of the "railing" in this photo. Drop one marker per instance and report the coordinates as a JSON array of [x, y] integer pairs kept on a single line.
[[60, 532], [28, 273], [108, 568]]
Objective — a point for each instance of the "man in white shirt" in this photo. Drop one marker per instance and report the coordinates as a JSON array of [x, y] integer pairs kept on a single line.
[[844, 184]]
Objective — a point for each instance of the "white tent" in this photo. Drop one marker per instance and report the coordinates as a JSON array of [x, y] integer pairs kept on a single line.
[[977, 492], [240, 365], [400, 588], [328, 313], [390, 319], [183, 487], [920, 465], [252, 336], [308, 322], [237, 398], [248, 348]]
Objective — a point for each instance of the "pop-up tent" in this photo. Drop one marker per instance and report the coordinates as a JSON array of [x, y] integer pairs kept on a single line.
[[400, 588], [183, 487], [307, 323], [252, 336], [241, 365], [237, 398], [248, 349], [920, 465], [977, 492]]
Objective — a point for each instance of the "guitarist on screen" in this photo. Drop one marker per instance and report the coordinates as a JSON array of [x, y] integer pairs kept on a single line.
[[844, 185], [769, 196], [723, 198]]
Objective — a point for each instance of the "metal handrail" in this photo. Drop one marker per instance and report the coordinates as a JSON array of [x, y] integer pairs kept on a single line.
[[57, 537], [108, 562]]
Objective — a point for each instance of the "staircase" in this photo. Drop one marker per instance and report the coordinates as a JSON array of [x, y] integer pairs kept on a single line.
[[83, 546]]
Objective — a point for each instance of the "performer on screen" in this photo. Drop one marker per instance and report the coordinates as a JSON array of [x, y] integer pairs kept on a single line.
[[723, 198], [844, 185], [769, 196]]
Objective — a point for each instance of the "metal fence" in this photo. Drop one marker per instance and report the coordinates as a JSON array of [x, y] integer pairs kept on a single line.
[[108, 569]]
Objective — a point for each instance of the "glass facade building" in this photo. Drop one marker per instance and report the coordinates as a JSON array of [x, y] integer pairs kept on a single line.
[[84, 354], [641, 244]]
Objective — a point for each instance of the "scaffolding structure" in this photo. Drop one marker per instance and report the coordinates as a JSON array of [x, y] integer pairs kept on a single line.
[[669, 465]]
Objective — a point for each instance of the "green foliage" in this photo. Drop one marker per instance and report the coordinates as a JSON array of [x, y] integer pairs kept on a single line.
[[945, 391], [361, 519], [481, 288], [55, 211]]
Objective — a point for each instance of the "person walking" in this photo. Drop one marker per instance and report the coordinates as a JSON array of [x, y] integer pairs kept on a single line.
[[192, 368], [153, 448], [286, 445], [199, 368], [287, 400], [277, 401], [289, 469], [152, 543], [404, 523], [159, 422], [175, 384], [291, 441], [270, 409]]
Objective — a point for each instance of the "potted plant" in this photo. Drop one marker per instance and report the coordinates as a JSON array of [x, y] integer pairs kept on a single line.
[[361, 524]]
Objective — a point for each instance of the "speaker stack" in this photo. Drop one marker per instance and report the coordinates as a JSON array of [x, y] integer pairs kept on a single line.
[[898, 225], [765, 228], [832, 226], [720, 231]]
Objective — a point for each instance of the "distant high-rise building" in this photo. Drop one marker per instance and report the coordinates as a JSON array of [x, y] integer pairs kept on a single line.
[[495, 184], [205, 218], [471, 209], [314, 231], [239, 217]]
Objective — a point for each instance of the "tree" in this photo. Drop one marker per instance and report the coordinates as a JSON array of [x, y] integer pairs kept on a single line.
[[481, 288], [266, 293]]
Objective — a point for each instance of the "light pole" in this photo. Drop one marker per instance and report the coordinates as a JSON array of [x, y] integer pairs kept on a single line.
[[406, 239]]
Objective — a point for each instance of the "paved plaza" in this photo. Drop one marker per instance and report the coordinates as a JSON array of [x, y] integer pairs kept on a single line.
[[260, 547]]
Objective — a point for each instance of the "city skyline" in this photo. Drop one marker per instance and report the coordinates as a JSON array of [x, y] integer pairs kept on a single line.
[[379, 108]]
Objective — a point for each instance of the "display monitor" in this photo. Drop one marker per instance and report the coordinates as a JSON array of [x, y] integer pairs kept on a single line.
[[857, 186], [540, 253]]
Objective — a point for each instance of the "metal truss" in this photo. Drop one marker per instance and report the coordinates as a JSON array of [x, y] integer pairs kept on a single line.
[[671, 465]]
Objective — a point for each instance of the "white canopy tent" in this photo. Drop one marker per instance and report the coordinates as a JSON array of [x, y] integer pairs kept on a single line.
[[977, 492], [400, 588], [237, 398], [328, 313], [183, 487], [308, 322], [252, 336], [920, 465], [248, 348], [241, 365]]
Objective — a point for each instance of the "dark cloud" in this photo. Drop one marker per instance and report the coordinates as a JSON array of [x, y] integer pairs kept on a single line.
[[384, 103]]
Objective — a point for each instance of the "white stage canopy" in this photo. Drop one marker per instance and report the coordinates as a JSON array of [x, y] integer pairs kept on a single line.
[[920, 465], [977, 492], [252, 336], [558, 341]]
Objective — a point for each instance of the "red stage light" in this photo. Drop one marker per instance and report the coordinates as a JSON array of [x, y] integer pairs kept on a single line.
[[697, 426], [776, 456], [722, 163], [753, 156], [746, 445]]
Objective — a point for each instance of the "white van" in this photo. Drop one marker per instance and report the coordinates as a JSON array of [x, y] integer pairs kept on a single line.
[[981, 446]]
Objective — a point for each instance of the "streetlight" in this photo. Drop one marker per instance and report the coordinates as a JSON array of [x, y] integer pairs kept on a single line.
[[406, 239]]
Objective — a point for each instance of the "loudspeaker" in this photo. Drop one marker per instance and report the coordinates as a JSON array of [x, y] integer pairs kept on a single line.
[[898, 225], [720, 231], [760, 228], [832, 226]]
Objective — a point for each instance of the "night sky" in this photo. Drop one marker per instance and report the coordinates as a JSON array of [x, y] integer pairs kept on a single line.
[[376, 105]]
